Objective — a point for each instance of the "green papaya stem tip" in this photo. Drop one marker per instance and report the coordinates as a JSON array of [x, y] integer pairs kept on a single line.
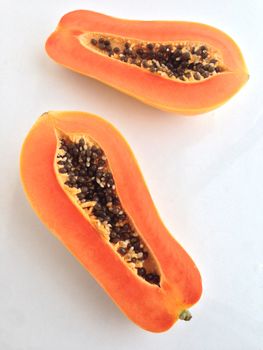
[[185, 315]]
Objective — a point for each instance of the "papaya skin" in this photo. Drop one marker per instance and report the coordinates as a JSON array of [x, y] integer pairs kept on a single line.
[[151, 307], [187, 98]]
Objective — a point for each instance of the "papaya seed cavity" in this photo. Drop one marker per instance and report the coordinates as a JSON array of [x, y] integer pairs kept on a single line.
[[83, 171], [184, 61]]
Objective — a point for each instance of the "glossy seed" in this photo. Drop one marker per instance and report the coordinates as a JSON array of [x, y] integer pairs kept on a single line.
[[177, 53], [213, 61], [156, 279], [116, 50], [62, 171], [204, 74], [204, 54], [197, 76], [102, 46], [162, 48], [139, 51], [114, 240], [145, 64], [186, 56], [209, 68], [149, 277], [81, 195], [84, 189], [219, 69], [141, 271], [150, 46], [122, 251]]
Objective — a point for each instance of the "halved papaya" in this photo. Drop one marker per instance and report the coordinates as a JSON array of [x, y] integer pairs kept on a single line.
[[83, 182], [181, 67]]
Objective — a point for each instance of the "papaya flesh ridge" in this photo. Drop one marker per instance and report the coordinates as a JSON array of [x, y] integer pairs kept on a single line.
[[182, 67], [161, 282]]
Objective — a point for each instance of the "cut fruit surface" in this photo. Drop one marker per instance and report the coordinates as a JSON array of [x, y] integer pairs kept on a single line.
[[181, 67], [76, 171]]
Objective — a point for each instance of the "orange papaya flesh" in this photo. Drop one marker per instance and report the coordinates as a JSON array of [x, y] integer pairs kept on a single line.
[[83, 182], [182, 67]]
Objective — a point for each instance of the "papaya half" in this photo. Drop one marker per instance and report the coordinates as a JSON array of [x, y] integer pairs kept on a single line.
[[182, 67], [83, 182]]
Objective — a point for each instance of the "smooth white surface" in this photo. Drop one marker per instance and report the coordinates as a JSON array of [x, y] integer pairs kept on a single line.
[[205, 175]]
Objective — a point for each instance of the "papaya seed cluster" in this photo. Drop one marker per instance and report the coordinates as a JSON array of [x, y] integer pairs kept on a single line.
[[85, 169], [184, 61]]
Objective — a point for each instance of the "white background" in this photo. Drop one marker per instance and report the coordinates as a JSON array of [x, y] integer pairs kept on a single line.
[[205, 175]]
